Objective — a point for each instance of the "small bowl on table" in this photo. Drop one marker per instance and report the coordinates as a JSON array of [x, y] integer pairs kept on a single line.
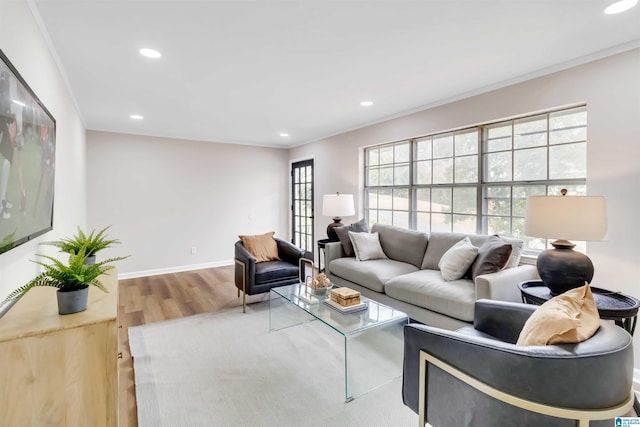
[[321, 291]]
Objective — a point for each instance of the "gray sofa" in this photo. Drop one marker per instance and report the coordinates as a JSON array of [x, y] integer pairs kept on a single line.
[[410, 281]]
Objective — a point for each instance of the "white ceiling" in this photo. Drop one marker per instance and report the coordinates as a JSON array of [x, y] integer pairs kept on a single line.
[[245, 71]]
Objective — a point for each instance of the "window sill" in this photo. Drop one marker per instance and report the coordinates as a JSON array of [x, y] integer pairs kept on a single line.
[[528, 260]]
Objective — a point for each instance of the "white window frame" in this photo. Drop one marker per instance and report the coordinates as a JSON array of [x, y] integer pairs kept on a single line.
[[380, 205]]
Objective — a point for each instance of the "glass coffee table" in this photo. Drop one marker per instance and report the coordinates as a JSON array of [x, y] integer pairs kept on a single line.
[[373, 338]]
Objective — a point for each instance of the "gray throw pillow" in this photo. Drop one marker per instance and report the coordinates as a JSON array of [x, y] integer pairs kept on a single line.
[[343, 234], [367, 246], [492, 257]]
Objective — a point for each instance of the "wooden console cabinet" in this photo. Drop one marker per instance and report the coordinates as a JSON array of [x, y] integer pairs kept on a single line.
[[60, 370]]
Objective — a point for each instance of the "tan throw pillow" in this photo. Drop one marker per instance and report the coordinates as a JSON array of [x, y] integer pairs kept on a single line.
[[457, 260], [263, 247], [570, 317]]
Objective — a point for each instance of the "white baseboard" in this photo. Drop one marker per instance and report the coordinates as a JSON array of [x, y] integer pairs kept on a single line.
[[177, 269]]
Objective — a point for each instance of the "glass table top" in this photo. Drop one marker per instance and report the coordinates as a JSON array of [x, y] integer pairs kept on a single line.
[[375, 315]]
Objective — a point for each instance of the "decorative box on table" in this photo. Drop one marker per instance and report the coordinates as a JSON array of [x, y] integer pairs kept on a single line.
[[345, 296]]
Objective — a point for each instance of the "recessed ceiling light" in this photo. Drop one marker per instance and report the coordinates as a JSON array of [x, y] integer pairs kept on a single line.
[[150, 53], [136, 117], [620, 6], [284, 134], [366, 103]]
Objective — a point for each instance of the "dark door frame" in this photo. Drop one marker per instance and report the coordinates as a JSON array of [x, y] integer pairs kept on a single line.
[[307, 221]]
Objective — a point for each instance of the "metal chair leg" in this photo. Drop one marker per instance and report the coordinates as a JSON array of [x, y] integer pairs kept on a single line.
[[244, 283]]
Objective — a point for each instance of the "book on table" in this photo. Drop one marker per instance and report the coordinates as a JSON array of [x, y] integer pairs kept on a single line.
[[345, 296], [346, 309]]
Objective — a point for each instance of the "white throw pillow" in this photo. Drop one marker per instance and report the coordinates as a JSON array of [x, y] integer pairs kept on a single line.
[[366, 246], [457, 260]]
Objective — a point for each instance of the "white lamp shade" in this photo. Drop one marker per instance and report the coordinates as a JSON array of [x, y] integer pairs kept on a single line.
[[566, 217], [337, 205]]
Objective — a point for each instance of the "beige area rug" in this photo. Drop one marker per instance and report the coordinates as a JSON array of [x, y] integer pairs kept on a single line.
[[228, 369]]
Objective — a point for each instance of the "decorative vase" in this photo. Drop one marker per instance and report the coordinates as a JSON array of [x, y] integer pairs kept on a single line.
[[321, 292], [90, 260], [562, 269], [74, 301]]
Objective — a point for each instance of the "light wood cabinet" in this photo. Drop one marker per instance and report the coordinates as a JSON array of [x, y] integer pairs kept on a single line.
[[60, 370]]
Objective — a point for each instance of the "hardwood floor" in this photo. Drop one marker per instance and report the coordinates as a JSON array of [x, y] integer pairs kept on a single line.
[[155, 298]]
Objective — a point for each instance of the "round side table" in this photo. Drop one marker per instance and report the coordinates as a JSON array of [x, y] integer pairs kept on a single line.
[[321, 244], [621, 308]]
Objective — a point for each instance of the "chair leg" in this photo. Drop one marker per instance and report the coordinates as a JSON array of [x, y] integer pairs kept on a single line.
[[244, 283]]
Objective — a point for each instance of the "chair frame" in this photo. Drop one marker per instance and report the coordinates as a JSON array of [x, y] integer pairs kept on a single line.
[[583, 416], [244, 284]]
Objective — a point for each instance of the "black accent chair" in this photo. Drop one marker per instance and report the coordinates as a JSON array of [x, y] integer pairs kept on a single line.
[[253, 277], [477, 376]]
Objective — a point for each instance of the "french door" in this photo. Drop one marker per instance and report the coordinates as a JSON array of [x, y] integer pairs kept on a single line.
[[302, 204]]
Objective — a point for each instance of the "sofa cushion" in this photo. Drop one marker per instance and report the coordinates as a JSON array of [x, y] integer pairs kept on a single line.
[[275, 271], [516, 251], [366, 246], [457, 260], [343, 234], [492, 256], [427, 289], [401, 244], [371, 274], [440, 242]]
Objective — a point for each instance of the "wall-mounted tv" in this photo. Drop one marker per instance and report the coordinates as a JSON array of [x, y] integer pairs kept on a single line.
[[27, 160]]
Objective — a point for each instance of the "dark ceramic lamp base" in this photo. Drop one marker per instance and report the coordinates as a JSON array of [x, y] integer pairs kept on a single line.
[[331, 233], [562, 268]]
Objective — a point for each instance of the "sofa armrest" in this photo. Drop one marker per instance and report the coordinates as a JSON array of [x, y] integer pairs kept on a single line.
[[332, 250], [503, 285]]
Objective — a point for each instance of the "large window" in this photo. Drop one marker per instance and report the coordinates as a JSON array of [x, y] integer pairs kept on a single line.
[[476, 180]]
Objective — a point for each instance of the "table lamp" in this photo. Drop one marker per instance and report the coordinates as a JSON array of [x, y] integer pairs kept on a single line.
[[336, 205], [563, 218]]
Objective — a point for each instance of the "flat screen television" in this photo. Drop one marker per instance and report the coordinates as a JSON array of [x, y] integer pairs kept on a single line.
[[27, 160]]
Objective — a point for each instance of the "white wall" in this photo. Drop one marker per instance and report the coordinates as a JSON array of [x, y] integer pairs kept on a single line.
[[164, 196], [611, 89], [23, 44]]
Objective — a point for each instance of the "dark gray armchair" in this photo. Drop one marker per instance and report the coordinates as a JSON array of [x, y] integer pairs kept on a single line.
[[253, 277], [477, 376]]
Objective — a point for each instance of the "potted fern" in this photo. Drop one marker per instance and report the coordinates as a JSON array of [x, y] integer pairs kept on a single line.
[[72, 280], [91, 243]]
